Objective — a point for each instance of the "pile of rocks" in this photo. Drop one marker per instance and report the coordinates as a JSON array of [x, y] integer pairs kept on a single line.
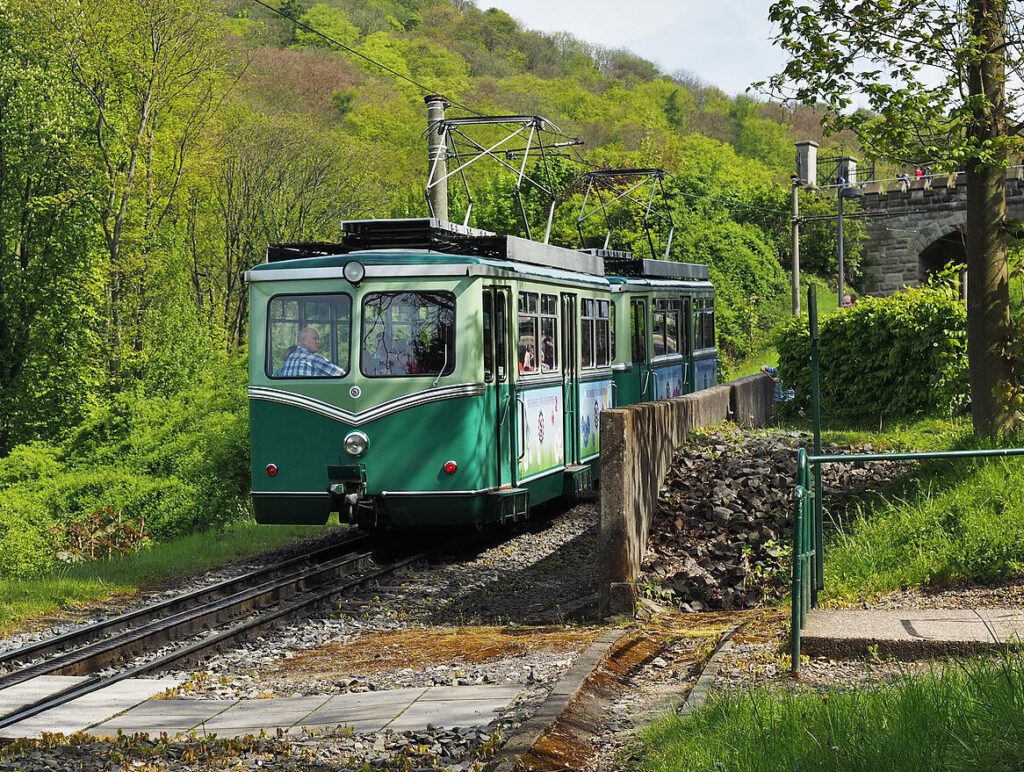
[[721, 534]]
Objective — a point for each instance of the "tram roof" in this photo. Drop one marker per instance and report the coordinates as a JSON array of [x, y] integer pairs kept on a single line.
[[417, 263], [435, 242]]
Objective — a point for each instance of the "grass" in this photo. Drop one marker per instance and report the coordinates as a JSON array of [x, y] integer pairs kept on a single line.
[[959, 522], [22, 600], [828, 304], [963, 717], [925, 434]]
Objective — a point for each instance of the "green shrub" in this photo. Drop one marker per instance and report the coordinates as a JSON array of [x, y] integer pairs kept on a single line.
[[178, 464], [898, 357], [25, 547]]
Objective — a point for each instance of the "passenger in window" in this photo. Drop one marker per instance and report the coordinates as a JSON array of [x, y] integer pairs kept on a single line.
[[304, 362], [529, 362], [547, 354]]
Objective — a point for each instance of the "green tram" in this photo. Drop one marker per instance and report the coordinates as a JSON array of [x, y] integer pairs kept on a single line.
[[423, 373]]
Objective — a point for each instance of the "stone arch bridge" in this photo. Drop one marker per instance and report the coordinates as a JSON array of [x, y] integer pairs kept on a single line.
[[915, 229]]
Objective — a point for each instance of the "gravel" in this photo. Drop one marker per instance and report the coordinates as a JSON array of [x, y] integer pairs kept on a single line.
[[725, 511], [76, 619]]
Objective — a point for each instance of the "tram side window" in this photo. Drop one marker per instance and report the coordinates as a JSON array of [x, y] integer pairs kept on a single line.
[[548, 333], [665, 326], [611, 334], [527, 353], [488, 338], [308, 336], [408, 334], [636, 309], [706, 327], [594, 333], [538, 332]]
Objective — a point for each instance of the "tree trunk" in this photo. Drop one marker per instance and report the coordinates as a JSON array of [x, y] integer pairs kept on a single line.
[[988, 297]]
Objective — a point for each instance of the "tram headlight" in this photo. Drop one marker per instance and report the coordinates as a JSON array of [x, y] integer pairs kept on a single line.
[[356, 443], [354, 272]]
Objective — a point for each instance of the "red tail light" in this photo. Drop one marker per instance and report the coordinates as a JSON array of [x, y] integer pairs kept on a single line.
[[450, 467], [271, 469]]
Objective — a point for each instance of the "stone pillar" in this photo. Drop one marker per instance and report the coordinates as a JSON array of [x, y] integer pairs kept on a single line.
[[807, 163], [848, 169]]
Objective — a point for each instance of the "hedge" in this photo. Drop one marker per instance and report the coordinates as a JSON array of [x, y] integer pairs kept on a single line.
[[899, 357]]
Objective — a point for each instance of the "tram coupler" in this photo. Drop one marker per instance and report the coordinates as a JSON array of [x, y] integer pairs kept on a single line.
[[348, 490]]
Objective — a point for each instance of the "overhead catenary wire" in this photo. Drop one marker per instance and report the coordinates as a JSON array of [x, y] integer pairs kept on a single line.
[[426, 89], [731, 202]]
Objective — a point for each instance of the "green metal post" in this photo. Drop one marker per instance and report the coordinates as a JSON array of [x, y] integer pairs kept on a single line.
[[796, 602], [818, 581]]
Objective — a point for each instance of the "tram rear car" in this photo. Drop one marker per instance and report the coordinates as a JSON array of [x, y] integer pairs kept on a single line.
[[414, 386]]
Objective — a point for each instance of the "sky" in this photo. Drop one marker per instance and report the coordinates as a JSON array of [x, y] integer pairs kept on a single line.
[[725, 43]]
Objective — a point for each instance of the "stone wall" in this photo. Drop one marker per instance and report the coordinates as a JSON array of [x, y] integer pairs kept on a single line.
[[638, 443]]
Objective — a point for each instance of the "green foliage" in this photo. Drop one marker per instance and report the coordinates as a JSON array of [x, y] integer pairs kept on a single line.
[[819, 238], [747, 277], [886, 358], [329, 20], [950, 718], [962, 523], [177, 463]]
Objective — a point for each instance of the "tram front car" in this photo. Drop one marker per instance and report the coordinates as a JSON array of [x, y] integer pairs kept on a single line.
[[360, 399]]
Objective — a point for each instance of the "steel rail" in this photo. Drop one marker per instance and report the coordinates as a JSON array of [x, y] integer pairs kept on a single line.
[[139, 640], [233, 633], [171, 606]]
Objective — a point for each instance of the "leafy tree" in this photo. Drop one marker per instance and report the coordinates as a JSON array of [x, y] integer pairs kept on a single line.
[[935, 75], [149, 72], [277, 180], [49, 292], [330, 21]]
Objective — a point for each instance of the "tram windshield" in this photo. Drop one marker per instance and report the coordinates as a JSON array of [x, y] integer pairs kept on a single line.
[[408, 333], [308, 336]]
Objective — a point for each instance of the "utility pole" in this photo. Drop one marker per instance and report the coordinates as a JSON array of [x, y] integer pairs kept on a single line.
[[796, 245], [839, 236], [437, 154], [847, 181], [806, 176]]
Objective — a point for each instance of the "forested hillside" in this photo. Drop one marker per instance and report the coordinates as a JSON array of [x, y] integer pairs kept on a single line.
[[150, 149]]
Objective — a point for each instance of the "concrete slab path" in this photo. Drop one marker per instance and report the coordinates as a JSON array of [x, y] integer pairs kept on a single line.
[[398, 709], [77, 714], [127, 707], [911, 633]]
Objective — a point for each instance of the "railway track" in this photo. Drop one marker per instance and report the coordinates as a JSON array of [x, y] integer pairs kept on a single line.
[[234, 608]]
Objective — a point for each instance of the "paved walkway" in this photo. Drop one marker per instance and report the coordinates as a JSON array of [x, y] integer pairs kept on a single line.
[[126, 707], [910, 633]]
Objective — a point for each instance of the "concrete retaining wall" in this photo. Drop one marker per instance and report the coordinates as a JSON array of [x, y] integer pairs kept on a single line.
[[751, 400], [638, 443]]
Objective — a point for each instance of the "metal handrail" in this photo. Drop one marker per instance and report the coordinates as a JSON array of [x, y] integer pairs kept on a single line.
[[808, 540]]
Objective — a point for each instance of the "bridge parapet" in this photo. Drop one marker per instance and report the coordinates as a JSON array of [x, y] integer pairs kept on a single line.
[[916, 226]]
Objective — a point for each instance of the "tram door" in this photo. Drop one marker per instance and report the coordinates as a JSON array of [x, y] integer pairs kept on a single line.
[[687, 348], [570, 377], [498, 370], [641, 362]]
